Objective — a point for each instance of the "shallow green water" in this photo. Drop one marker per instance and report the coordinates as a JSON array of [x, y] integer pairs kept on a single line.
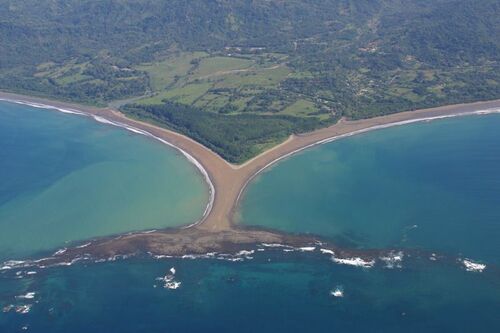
[[65, 178], [432, 185]]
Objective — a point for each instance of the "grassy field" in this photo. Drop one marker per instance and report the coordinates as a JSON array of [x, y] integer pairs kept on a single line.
[[228, 84], [165, 73], [304, 108], [67, 73]]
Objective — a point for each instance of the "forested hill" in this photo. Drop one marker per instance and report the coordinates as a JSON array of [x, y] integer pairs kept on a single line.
[[314, 59]]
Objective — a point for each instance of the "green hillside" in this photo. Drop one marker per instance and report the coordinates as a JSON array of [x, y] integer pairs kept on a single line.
[[294, 65]]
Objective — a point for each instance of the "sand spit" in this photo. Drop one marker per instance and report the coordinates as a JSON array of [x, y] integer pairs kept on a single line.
[[216, 231]]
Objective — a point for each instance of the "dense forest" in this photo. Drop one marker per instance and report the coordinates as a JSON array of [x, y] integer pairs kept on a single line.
[[254, 60], [236, 138]]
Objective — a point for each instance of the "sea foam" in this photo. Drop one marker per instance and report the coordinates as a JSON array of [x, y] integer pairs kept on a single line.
[[168, 280], [354, 262], [472, 266], [29, 295], [393, 259]]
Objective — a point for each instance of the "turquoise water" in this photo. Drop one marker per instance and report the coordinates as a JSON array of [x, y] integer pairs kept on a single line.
[[65, 178], [365, 192], [433, 186]]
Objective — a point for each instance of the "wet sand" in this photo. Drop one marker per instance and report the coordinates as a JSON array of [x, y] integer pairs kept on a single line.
[[217, 229]]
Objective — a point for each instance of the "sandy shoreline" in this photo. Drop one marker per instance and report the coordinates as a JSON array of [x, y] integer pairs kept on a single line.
[[227, 182], [492, 110], [79, 111]]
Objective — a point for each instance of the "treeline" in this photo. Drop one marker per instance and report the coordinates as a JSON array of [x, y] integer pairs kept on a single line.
[[98, 83], [236, 138]]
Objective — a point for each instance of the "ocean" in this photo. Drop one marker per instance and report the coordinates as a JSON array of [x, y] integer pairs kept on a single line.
[[423, 188], [273, 292], [431, 185], [66, 178]]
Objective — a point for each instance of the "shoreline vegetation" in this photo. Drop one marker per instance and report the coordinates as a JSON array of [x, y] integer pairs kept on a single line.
[[216, 230], [236, 138]]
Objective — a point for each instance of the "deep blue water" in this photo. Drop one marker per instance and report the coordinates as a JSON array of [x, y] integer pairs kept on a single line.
[[287, 294]]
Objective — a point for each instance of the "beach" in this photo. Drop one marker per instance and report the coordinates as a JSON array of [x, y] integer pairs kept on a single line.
[[216, 230]]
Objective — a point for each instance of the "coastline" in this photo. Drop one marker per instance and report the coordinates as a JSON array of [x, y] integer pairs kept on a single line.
[[494, 110], [217, 231], [102, 120]]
